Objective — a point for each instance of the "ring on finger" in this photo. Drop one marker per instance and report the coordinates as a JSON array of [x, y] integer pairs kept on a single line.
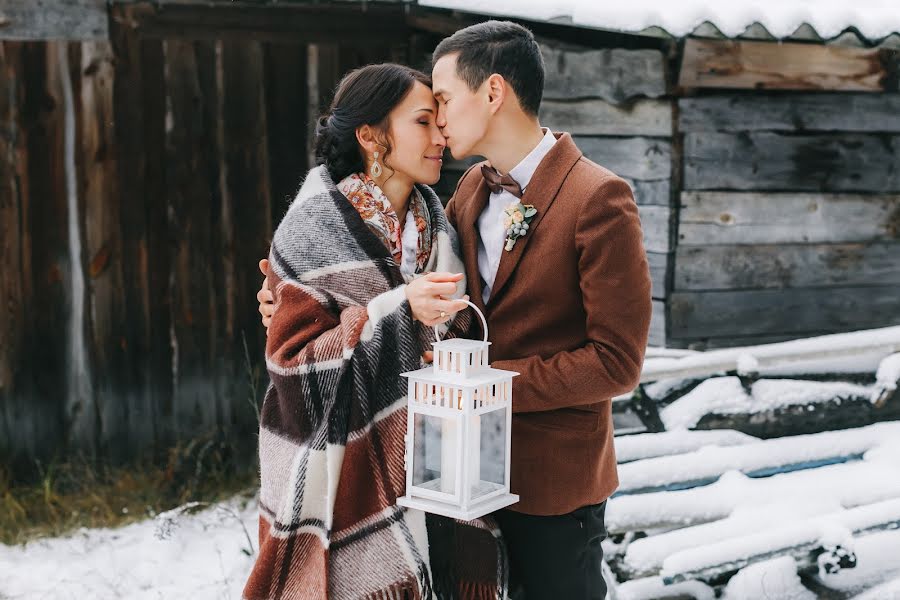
[[443, 314]]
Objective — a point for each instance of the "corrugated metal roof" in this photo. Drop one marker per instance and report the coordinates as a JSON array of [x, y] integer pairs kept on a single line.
[[862, 22]]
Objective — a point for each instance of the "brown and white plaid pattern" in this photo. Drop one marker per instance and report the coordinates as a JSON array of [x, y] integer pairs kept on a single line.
[[333, 421]]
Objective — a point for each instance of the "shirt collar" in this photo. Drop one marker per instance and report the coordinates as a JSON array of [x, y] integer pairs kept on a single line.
[[524, 171]]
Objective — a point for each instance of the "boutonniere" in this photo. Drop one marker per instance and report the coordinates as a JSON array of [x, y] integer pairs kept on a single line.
[[517, 222]]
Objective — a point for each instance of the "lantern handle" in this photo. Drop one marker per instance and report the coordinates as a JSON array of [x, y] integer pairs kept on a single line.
[[437, 335]]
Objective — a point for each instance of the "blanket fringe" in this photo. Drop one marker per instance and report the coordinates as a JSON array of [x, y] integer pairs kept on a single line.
[[407, 590], [470, 590]]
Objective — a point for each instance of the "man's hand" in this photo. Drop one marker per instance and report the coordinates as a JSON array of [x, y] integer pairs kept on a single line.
[[265, 296]]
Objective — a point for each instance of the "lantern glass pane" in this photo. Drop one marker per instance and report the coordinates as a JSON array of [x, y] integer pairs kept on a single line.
[[491, 454], [434, 453]]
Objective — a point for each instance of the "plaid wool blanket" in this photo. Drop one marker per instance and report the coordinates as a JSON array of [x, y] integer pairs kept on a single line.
[[333, 421]]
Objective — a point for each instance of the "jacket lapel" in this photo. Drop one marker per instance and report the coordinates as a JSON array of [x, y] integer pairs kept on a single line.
[[540, 193], [467, 225]]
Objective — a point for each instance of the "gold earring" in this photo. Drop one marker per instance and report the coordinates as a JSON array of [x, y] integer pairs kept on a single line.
[[375, 171]]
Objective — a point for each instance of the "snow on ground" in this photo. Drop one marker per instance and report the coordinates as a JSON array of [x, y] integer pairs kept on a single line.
[[759, 456], [197, 557], [725, 396]]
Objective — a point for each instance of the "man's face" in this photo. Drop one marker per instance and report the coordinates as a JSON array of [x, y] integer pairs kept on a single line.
[[463, 115]]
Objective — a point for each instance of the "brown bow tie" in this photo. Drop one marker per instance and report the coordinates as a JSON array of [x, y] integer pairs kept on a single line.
[[497, 182]]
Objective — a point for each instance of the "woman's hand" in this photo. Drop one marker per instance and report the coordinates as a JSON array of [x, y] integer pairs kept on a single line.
[[265, 297], [429, 298]]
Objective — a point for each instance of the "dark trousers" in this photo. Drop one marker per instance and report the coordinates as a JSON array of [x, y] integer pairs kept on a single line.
[[556, 557]]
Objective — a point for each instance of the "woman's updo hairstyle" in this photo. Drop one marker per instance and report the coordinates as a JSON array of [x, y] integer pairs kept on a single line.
[[364, 96]]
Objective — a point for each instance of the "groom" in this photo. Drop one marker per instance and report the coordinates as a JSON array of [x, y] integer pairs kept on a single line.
[[567, 299], [566, 291]]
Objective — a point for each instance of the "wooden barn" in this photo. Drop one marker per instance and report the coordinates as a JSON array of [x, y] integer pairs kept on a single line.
[[147, 149]]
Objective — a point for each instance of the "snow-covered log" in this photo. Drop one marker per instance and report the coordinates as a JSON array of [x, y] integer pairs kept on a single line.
[[805, 541], [755, 459], [885, 340]]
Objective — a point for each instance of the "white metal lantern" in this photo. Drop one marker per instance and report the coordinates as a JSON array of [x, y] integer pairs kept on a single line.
[[459, 432]]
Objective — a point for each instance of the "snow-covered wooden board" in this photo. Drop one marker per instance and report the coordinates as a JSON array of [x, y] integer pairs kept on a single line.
[[756, 459], [884, 340], [669, 443], [875, 478], [799, 540]]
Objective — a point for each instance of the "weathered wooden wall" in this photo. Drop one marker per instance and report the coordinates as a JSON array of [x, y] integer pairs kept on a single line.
[[789, 217], [141, 176], [140, 179]]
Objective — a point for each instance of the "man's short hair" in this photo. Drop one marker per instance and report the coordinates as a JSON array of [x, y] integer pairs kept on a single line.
[[501, 47]]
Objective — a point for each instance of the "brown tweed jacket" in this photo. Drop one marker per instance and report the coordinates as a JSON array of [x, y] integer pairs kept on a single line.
[[570, 311]]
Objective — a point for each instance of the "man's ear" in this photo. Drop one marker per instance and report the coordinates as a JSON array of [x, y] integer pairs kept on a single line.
[[497, 89]]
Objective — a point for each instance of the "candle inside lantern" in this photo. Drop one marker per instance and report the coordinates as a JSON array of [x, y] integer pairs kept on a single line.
[[449, 458]]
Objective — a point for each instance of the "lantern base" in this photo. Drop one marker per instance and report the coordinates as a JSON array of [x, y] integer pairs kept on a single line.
[[478, 509]]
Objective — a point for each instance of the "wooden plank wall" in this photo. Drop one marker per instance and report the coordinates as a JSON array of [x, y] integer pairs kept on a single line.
[[614, 103], [789, 220], [130, 240]]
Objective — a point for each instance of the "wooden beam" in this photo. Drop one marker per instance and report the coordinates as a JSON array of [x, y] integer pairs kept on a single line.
[[613, 74], [656, 223], [763, 160], [355, 23], [53, 19], [658, 324], [788, 66], [781, 266], [797, 311], [15, 293], [440, 23], [798, 112], [659, 263], [194, 228], [770, 354], [651, 192], [286, 76], [645, 117], [139, 112], [783, 218], [634, 158], [106, 310]]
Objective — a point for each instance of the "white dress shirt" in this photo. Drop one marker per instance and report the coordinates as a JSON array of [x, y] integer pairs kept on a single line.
[[491, 231], [410, 241]]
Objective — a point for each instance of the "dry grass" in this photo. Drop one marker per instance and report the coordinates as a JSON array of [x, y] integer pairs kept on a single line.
[[70, 495]]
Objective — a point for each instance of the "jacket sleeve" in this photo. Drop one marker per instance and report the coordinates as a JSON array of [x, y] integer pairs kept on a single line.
[[615, 287]]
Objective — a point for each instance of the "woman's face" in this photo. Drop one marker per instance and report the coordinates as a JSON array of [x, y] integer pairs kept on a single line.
[[417, 145]]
